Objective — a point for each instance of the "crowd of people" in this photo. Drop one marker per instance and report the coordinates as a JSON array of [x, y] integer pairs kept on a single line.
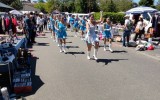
[[92, 31]]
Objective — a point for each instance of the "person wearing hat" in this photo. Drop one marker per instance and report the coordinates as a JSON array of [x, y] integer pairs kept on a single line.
[[140, 28], [127, 30]]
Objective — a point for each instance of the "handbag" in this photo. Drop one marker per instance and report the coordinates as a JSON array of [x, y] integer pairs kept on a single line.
[[137, 30]]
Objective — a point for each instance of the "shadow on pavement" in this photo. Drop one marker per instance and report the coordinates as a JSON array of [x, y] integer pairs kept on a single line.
[[103, 46], [37, 82], [73, 53], [41, 44], [41, 37], [72, 47], [121, 51], [106, 61], [68, 42]]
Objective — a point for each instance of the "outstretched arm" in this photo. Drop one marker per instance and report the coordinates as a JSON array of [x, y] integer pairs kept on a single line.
[[101, 18]]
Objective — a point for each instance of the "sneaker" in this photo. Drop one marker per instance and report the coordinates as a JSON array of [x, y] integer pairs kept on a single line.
[[58, 45], [110, 50], [95, 57], [51, 37], [105, 49], [88, 57]]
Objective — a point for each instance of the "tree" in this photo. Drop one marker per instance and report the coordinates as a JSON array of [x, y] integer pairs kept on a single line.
[[7, 2], [17, 4], [135, 4], [41, 6], [124, 7], [112, 7], [146, 2], [40, 1], [115, 5], [158, 5], [81, 6]]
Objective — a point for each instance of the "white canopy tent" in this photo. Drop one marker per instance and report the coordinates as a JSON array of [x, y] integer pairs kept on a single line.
[[141, 9], [15, 12]]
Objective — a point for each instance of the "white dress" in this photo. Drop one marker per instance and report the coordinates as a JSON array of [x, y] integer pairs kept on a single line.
[[91, 36]]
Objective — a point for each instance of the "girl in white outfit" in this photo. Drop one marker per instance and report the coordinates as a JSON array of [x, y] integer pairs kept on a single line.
[[91, 37]]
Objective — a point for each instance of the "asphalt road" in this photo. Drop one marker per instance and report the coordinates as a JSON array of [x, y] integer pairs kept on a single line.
[[122, 75]]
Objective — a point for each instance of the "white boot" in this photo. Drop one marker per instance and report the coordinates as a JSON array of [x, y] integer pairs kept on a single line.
[[105, 47], [88, 55], [60, 46], [95, 54], [64, 49], [58, 43], [75, 34], [110, 48]]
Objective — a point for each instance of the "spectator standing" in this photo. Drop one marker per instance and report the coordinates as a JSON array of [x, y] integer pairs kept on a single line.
[[127, 30], [139, 28], [14, 24]]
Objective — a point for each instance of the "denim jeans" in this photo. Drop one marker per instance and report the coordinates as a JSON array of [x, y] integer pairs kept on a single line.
[[126, 34]]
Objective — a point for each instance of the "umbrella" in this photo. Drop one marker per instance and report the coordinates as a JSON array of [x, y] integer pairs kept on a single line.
[[56, 12], [4, 6], [15, 12], [141, 9]]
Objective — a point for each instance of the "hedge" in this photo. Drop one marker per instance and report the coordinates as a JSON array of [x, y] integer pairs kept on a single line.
[[115, 17]]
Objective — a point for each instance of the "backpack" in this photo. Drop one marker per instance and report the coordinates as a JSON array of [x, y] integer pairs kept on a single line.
[[129, 25]]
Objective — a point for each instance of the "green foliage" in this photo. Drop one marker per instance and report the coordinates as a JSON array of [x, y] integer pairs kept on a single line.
[[7, 2], [112, 7], [40, 6], [40, 1], [115, 17], [17, 4], [124, 5], [146, 2], [115, 5], [158, 5]]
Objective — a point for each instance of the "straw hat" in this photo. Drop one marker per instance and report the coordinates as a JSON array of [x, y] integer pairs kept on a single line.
[[126, 16]]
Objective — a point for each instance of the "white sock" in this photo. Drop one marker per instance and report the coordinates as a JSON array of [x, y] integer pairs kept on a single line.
[[105, 46], [60, 46], [110, 45], [95, 52], [88, 55], [64, 46]]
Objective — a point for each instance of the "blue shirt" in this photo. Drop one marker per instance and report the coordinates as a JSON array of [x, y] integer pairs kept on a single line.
[[71, 20]]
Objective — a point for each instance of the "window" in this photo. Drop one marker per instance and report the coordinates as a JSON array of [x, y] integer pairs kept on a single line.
[[146, 16]]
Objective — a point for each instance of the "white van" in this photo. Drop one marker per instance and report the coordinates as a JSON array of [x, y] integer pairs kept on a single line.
[[80, 15]]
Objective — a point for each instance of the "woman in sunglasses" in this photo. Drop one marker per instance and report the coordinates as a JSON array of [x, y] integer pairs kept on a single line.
[[91, 37]]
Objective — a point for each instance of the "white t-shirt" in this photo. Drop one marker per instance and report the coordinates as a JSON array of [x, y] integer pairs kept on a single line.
[[38, 20], [139, 25]]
